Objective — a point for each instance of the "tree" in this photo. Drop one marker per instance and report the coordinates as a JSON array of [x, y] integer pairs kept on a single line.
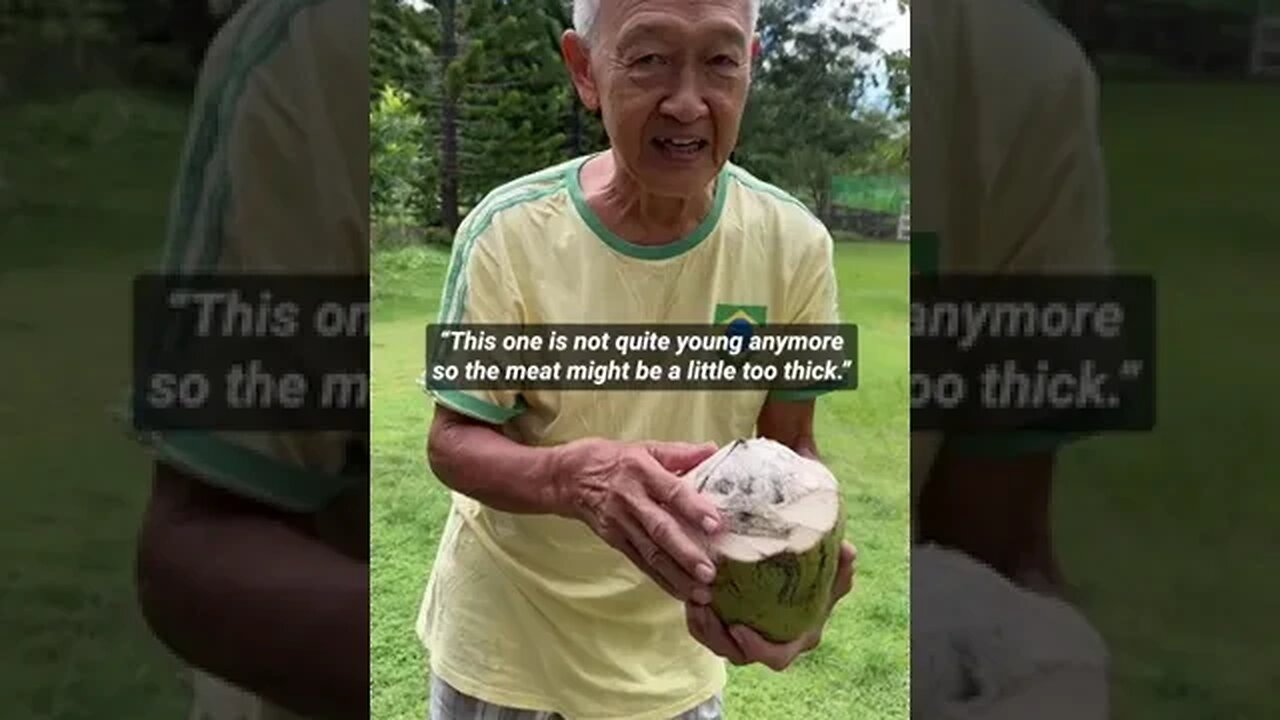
[[488, 78], [401, 56], [898, 70], [396, 161], [514, 95], [448, 10], [801, 124], [488, 81]]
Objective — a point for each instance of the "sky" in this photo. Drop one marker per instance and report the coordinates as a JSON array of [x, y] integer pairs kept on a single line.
[[896, 34]]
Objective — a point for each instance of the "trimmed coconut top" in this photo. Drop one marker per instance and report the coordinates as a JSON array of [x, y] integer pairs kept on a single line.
[[977, 638], [772, 499]]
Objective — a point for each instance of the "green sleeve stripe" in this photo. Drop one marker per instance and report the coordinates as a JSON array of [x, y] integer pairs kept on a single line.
[[189, 248], [216, 112], [249, 473], [554, 174], [455, 290], [467, 230], [753, 183], [201, 147], [812, 391], [799, 395], [473, 406], [274, 37]]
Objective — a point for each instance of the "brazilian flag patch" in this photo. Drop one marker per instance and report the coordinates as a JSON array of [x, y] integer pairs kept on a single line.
[[740, 321], [727, 314]]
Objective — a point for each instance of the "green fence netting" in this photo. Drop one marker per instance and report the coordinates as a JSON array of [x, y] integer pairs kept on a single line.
[[879, 193]]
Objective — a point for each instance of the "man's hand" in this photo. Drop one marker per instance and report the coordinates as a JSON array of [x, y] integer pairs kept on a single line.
[[631, 495], [741, 645]]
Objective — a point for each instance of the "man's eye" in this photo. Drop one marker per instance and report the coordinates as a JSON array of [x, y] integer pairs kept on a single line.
[[648, 60], [724, 61]]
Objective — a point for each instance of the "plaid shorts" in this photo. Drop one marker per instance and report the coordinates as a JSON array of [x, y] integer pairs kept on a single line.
[[449, 703]]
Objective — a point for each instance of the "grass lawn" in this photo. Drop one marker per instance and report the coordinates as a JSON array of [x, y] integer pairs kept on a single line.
[[88, 189], [861, 670], [1168, 534]]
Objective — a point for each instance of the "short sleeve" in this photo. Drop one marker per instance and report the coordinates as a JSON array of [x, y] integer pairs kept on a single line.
[[274, 180], [479, 290], [1047, 212], [812, 296], [814, 291], [1047, 206]]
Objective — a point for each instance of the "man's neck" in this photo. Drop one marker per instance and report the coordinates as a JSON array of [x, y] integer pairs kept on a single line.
[[634, 214]]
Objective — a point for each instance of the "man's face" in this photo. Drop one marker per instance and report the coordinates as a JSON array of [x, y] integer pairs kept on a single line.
[[671, 79]]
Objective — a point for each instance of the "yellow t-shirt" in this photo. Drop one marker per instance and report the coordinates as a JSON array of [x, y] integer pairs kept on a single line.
[[1007, 173], [536, 611]]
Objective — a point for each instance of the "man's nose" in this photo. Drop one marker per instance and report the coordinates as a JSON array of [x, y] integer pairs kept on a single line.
[[685, 103]]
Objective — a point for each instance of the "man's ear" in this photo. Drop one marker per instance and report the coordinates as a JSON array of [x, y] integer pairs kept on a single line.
[[755, 47], [577, 59]]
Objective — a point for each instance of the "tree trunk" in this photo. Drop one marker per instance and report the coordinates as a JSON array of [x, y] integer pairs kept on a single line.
[[821, 189], [448, 119]]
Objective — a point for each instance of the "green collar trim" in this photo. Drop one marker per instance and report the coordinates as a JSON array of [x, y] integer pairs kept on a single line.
[[646, 252]]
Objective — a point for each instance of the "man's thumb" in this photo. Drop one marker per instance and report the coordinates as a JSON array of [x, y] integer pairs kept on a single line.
[[680, 457]]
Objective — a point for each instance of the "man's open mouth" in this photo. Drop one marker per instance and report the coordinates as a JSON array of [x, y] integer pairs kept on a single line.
[[680, 146]]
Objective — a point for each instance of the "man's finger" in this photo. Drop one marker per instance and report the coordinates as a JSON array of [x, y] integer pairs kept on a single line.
[[637, 558], [680, 457], [682, 500], [771, 655], [655, 560], [842, 585], [691, 622], [712, 633], [674, 538], [845, 570]]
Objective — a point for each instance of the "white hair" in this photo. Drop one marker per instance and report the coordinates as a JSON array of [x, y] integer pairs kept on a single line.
[[586, 11]]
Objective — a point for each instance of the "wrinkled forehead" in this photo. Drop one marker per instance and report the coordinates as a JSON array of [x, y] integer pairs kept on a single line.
[[730, 19]]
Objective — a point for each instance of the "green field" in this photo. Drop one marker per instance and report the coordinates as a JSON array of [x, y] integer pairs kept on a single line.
[[861, 670], [89, 185], [1168, 534]]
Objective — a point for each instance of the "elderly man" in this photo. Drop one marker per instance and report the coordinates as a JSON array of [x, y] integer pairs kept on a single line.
[[569, 579]]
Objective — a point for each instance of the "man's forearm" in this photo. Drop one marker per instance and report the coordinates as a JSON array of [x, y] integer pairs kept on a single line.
[[482, 463], [250, 598], [790, 423]]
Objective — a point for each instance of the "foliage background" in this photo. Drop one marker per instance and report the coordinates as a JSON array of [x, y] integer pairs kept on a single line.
[[479, 96]]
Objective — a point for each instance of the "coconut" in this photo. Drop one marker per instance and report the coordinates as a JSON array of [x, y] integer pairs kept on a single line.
[[784, 523], [982, 647]]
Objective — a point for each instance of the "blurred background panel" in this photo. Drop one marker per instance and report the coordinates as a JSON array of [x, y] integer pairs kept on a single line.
[[1167, 537], [94, 98]]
